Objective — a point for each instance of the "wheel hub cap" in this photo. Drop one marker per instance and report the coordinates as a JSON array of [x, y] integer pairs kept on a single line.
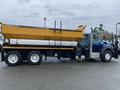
[[107, 56], [34, 58], [13, 58]]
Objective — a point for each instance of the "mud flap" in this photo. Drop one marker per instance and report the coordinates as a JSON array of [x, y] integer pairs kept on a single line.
[[116, 53], [116, 49], [2, 53]]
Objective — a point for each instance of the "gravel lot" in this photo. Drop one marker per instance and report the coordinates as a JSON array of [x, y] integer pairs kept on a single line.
[[64, 75]]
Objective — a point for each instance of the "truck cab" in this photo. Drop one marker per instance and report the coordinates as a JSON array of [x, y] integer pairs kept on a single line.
[[93, 47]]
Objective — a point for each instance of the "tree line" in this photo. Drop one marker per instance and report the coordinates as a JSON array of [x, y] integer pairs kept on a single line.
[[104, 34]]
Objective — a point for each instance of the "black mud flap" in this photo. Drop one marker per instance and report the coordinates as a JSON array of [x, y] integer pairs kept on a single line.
[[2, 53], [2, 56], [116, 53]]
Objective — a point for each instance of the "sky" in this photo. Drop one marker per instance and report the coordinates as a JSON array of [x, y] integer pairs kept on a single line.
[[71, 12]]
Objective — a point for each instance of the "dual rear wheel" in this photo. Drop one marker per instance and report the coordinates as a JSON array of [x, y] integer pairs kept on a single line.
[[14, 58], [34, 58]]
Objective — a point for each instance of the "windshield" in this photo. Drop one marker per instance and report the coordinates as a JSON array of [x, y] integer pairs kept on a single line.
[[96, 37]]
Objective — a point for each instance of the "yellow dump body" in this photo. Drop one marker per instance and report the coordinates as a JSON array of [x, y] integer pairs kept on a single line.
[[36, 33]]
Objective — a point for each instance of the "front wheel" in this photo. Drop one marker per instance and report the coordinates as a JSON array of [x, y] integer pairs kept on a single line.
[[106, 56]]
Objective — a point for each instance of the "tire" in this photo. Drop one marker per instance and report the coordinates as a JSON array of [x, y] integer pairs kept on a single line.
[[13, 58], [34, 58], [106, 56]]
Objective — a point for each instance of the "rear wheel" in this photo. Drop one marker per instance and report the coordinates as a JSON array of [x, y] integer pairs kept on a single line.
[[34, 58], [13, 58], [106, 56]]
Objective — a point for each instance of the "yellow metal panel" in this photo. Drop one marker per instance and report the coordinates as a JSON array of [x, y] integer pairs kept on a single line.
[[18, 32]]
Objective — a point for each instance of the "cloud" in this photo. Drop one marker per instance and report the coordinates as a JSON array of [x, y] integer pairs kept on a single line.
[[30, 15], [71, 12], [54, 11], [23, 1]]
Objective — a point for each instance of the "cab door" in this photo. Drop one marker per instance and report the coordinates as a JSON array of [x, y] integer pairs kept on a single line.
[[96, 45]]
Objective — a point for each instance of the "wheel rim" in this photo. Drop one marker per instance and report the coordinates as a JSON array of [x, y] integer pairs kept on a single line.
[[107, 56], [34, 58], [13, 58]]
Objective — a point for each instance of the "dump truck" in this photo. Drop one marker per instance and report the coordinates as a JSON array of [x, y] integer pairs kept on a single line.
[[31, 43], [28, 43]]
